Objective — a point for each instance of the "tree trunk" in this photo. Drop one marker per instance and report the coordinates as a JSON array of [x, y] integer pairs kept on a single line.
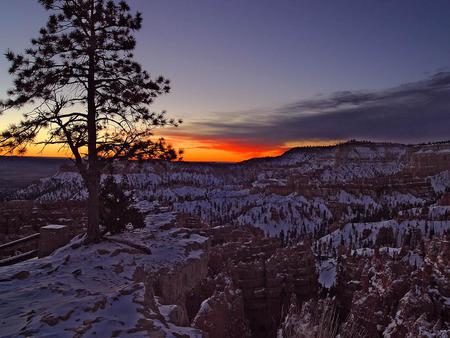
[[93, 231], [93, 179]]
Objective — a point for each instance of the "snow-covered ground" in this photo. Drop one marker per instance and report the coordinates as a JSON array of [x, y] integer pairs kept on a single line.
[[101, 290], [327, 272], [362, 235], [305, 191]]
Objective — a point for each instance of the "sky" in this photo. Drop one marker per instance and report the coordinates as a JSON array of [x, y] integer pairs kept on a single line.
[[254, 78]]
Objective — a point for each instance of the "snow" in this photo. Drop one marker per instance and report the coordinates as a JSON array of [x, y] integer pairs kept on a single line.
[[354, 232], [441, 181], [253, 193], [308, 190], [93, 289], [54, 226], [327, 273], [414, 259]]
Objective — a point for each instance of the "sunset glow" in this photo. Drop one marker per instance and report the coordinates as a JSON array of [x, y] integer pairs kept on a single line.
[[202, 149], [258, 88], [224, 168], [196, 150], [217, 150]]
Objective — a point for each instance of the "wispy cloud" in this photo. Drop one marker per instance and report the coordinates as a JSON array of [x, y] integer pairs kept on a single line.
[[412, 112]]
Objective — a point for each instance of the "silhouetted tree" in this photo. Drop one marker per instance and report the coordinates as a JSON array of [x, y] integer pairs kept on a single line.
[[86, 92]]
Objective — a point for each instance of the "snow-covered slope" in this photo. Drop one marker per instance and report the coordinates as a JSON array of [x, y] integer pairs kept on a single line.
[[306, 190], [356, 207], [102, 290]]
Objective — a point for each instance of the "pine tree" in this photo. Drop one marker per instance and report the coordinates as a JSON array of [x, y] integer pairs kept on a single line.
[[116, 207], [281, 235], [86, 91]]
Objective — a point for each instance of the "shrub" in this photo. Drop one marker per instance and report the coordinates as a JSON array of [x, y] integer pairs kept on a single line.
[[116, 207]]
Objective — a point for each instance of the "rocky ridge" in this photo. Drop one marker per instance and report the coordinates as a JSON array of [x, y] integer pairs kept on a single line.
[[358, 231]]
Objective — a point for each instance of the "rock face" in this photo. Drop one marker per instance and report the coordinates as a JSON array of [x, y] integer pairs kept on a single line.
[[172, 285], [235, 282], [267, 274], [222, 315], [307, 189], [357, 229], [445, 199], [388, 295], [380, 295], [172, 276], [430, 159]]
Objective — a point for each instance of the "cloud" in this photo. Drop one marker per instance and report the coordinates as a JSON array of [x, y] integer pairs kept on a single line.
[[412, 112]]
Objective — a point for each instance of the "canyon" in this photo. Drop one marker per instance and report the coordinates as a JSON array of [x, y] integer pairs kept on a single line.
[[359, 231]]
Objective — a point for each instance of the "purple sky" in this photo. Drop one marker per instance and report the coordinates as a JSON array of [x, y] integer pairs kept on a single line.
[[247, 63]]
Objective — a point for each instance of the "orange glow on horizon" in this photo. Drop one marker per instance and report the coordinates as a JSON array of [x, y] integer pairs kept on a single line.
[[204, 149]]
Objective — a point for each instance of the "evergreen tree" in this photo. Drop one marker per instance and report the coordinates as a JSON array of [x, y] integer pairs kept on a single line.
[[86, 92], [281, 235], [116, 207]]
